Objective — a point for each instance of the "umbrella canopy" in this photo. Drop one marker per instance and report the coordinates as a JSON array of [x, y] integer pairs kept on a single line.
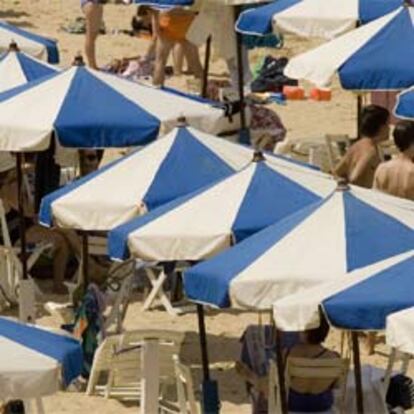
[[33, 361], [404, 107], [221, 214], [400, 329], [351, 229], [313, 18], [18, 68], [87, 108], [360, 300], [177, 164], [377, 56], [33, 44]]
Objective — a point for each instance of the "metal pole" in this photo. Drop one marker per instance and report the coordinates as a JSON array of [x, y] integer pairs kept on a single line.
[[359, 111], [280, 371], [357, 371], [203, 342], [210, 397], [206, 68], [244, 133], [84, 259], [20, 200]]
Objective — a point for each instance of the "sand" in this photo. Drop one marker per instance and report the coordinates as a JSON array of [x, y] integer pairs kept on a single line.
[[302, 119]]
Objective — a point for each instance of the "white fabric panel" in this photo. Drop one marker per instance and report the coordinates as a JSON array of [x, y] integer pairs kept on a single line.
[[399, 208], [11, 74], [318, 18], [24, 373], [298, 261], [400, 331], [299, 311], [235, 155], [34, 133], [319, 65], [25, 45], [318, 182], [155, 101], [197, 229], [129, 179]]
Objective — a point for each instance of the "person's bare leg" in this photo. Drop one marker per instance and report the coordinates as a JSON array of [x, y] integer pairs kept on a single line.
[[193, 59], [178, 59], [93, 15], [163, 50]]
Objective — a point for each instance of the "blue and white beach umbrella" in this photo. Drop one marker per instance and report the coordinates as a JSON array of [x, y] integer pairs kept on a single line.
[[361, 300], [177, 164], [313, 18], [35, 362], [86, 108], [351, 229], [377, 56], [206, 222], [33, 44], [404, 107], [18, 68]]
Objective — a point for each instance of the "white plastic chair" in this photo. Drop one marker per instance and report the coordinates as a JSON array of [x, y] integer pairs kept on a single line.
[[336, 146], [119, 357]]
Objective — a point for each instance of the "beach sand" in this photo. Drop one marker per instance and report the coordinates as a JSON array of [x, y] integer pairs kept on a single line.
[[302, 119]]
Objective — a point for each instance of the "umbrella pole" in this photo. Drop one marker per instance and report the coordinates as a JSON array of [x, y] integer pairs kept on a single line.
[[244, 133], [210, 400], [206, 67], [20, 200], [359, 111], [280, 370], [85, 259], [357, 371]]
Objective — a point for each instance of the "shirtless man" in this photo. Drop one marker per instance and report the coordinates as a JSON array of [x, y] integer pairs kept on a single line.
[[362, 158], [93, 10], [396, 176]]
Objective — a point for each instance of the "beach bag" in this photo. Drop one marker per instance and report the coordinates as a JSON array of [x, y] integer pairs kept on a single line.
[[400, 392]]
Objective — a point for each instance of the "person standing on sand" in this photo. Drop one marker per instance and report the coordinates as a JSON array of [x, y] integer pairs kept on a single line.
[[93, 10], [362, 158], [396, 177]]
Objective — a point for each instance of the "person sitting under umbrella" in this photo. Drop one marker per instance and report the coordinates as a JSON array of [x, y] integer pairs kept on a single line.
[[362, 158], [396, 176]]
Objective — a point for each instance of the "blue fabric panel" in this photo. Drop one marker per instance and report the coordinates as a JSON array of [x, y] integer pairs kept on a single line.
[[93, 115], [209, 282], [269, 198], [259, 20], [51, 45], [371, 235], [373, 9], [32, 69], [45, 211], [366, 305], [118, 237], [385, 61], [405, 105], [64, 349], [188, 166]]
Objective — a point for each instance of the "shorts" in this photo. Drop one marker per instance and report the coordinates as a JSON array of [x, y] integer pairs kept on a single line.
[[174, 27]]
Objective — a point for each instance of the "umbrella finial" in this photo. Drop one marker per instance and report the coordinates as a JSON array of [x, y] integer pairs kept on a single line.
[[258, 156], [182, 122], [13, 47], [342, 184], [78, 60]]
